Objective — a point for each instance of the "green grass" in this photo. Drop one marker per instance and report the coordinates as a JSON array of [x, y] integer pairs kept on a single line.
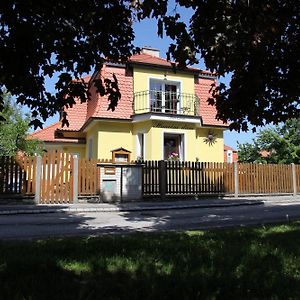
[[247, 263]]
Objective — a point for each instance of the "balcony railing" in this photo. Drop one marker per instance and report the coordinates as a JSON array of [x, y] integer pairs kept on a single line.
[[166, 102]]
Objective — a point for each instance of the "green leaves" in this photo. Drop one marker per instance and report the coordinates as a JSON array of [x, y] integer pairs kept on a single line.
[[14, 130], [279, 144], [70, 38], [257, 42]]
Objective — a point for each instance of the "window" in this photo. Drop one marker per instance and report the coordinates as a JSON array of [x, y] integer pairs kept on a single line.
[[90, 149], [173, 147], [140, 151], [164, 96], [229, 156]]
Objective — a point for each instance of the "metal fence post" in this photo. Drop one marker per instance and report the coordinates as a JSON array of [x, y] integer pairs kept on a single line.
[[75, 179], [294, 179], [38, 177], [236, 179], [162, 179]]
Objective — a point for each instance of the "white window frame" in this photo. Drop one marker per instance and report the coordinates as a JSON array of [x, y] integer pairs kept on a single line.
[[182, 144], [164, 83], [140, 149]]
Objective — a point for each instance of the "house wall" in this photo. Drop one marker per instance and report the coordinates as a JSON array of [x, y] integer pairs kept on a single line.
[[194, 146], [214, 152], [112, 135], [76, 149], [109, 136], [92, 133], [145, 128]]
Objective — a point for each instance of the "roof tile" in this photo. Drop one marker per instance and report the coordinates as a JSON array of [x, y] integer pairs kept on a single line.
[[207, 112], [47, 134]]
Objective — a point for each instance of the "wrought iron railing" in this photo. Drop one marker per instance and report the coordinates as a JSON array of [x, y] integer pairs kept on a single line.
[[166, 102]]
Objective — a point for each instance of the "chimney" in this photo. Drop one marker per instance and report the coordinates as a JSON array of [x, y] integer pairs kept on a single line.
[[150, 51]]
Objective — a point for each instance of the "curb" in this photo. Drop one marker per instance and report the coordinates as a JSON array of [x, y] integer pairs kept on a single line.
[[125, 209]]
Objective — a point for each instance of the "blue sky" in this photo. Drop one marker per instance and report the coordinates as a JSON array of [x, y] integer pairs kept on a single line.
[[146, 35]]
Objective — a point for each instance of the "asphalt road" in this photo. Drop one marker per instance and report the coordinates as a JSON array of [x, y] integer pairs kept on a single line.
[[70, 224]]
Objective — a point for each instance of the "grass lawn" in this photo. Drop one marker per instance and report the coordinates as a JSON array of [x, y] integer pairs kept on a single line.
[[247, 263]]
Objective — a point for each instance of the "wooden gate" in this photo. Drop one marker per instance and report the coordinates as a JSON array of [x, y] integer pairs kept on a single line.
[[57, 178]]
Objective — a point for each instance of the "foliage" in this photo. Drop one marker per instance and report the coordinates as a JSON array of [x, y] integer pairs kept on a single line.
[[280, 144], [14, 131], [249, 263], [257, 42]]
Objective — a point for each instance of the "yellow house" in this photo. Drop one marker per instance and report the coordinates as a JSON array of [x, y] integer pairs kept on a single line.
[[163, 114]]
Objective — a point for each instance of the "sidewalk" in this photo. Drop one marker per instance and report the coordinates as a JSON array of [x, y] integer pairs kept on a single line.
[[147, 205]]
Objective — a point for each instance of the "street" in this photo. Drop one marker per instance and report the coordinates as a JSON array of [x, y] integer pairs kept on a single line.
[[30, 226]]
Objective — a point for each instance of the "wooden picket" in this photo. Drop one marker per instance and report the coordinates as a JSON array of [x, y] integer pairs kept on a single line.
[[188, 178], [265, 179], [57, 178], [195, 178], [88, 177], [297, 169], [150, 178], [17, 175], [192, 178]]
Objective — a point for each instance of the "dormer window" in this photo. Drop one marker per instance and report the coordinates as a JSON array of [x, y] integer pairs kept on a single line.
[[164, 96]]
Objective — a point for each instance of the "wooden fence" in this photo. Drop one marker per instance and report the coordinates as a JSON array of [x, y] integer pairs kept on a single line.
[[17, 175], [88, 177], [265, 179], [193, 178], [187, 178], [52, 178]]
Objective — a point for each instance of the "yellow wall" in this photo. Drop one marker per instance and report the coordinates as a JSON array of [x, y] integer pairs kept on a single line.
[[108, 136], [214, 152], [145, 128], [75, 149], [92, 133], [112, 135], [141, 83], [67, 148], [194, 145], [141, 77]]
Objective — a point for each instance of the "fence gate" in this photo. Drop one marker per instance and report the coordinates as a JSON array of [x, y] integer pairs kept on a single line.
[[57, 178]]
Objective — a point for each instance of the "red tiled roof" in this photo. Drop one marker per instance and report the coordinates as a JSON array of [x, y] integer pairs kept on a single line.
[[97, 106], [226, 148], [145, 58], [207, 112], [47, 134], [148, 59], [76, 116]]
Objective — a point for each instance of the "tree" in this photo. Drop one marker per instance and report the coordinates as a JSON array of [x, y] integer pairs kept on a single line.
[[14, 131], [255, 41], [280, 144]]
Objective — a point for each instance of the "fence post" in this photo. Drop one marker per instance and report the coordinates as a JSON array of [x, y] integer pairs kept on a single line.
[[75, 179], [38, 177], [162, 178], [294, 179], [236, 179]]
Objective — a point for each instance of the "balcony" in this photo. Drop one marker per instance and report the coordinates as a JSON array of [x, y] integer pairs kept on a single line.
[[170, 103]]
